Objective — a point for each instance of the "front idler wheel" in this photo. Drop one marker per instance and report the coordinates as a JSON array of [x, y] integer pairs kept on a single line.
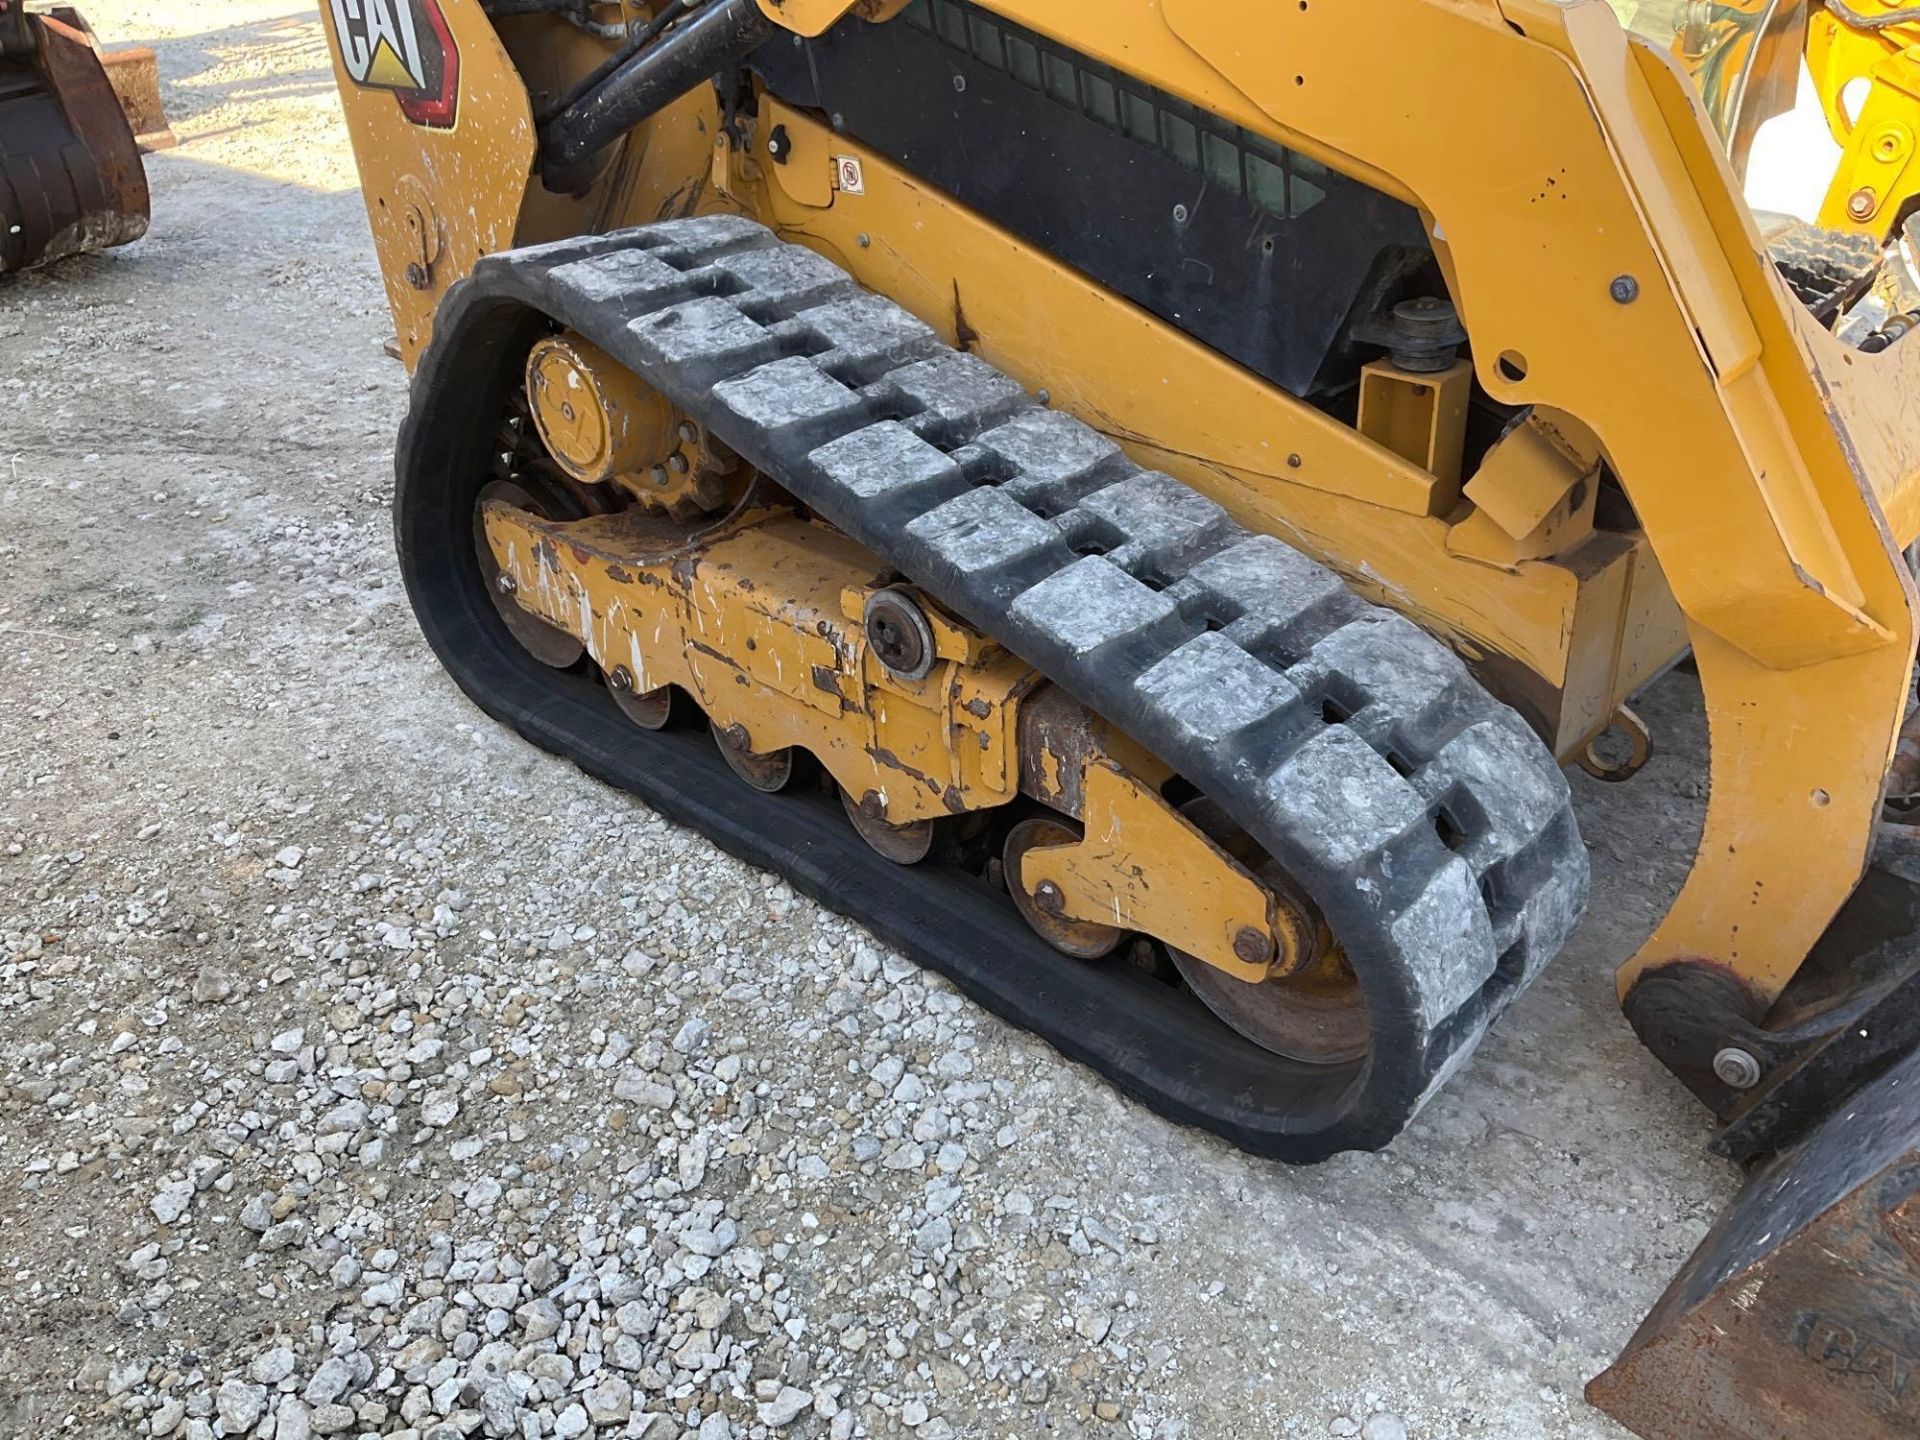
[[546, 643], [1316, 1012]]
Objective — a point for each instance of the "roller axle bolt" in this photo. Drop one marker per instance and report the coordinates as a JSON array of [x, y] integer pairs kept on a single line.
[[1736, 1068], [1049, 899], [506, 584], [1252, 945], [898, 631]]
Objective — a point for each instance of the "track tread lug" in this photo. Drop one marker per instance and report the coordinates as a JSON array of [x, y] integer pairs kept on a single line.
[[1090, 604], [950, 396], [1447, 924], [783, 279], [979, 532], [885, 460], [704, 341], [1216, 690], [790, 402], [1340, 801], [866, 335], [1167, 526]]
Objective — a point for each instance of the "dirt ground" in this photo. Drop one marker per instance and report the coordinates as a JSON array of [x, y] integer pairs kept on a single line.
[[365, 1071]]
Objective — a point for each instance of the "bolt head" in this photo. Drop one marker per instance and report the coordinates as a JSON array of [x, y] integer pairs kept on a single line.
[[506, 584], [1863, 202], [1048, 898], [1624, 289], [1736, 1068], [1254, 947], [621, 679], [417, 276]]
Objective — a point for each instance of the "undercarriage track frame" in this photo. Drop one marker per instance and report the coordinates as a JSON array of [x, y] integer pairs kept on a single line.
[[705, 310]]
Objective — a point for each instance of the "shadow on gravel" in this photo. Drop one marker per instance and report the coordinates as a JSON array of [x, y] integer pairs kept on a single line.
[[283, 59]]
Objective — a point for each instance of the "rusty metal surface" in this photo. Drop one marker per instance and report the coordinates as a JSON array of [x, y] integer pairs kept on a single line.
[[134, 73], [70, 174], [1799, 1315]]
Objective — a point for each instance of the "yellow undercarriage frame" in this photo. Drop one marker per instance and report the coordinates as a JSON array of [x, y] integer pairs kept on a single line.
[[1609, 276]]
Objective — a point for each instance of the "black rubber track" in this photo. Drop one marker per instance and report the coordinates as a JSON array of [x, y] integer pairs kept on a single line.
[[1157, 1043], [1152, 1040]]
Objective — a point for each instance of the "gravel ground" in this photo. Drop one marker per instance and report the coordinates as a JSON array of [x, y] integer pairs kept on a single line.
[[364, 1071]]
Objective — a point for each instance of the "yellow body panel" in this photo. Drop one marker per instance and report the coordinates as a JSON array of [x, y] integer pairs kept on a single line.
[[439, 199]]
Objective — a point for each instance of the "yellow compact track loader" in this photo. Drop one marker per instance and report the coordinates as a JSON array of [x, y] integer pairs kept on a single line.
[[1136, 501]]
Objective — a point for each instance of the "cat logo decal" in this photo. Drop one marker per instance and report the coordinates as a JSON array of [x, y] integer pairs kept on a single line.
[[403, 46]]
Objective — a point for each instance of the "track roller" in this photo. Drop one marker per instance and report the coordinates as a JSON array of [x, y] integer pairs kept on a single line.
[[906, 844], [1041, 908], [769, 773], [649, 709], [549, 645]]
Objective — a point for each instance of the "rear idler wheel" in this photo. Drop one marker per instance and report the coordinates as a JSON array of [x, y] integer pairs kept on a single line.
[[546, 643], [649, 709], [1040, 907], [769, 773], [906, 844], [1317, 1013]]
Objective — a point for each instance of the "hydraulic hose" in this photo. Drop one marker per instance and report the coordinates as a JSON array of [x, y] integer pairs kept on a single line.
[[638, 41], [721, 34]]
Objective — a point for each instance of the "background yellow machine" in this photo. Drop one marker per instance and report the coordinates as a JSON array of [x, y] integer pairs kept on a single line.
[[1135, 499]]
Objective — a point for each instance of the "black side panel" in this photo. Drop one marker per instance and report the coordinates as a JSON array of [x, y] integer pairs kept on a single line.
[[1255, 251]]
